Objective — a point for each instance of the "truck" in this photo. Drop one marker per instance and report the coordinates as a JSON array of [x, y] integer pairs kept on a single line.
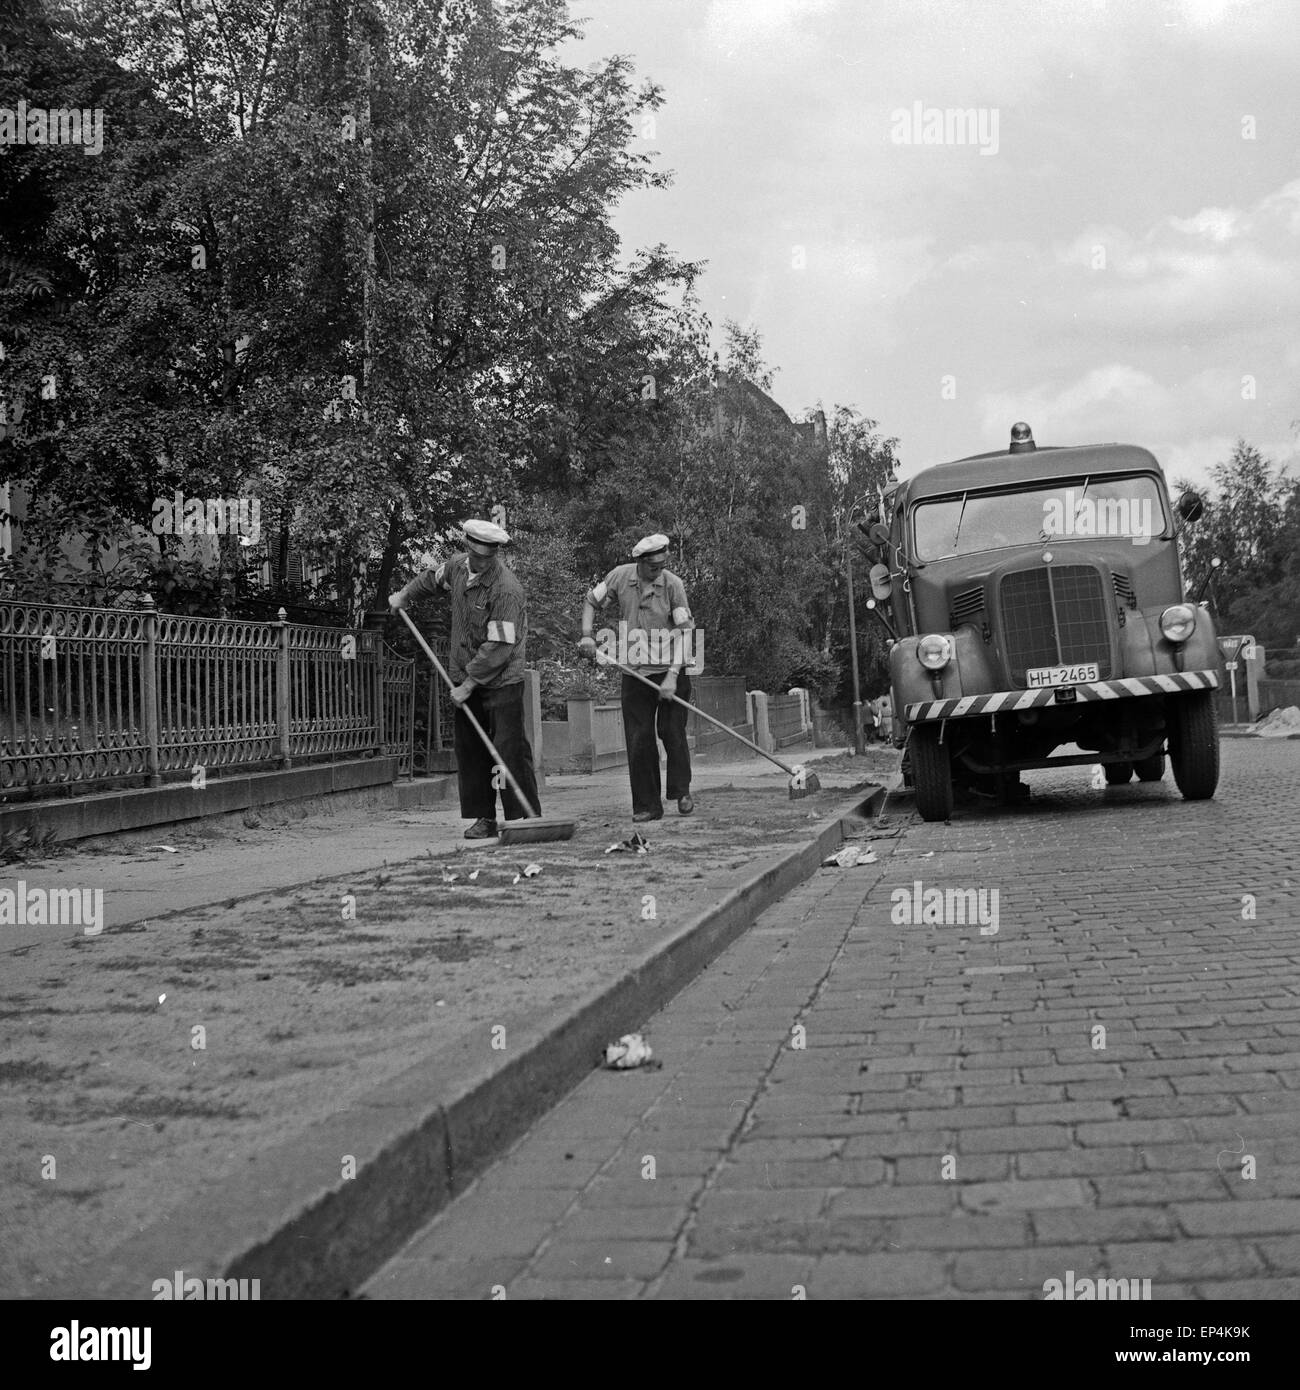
[[1035, 600]]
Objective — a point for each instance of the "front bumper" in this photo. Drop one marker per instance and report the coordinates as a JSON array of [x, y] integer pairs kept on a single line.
[[969, 706]]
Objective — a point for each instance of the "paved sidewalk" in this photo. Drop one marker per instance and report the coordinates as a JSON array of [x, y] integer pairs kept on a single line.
[[221, 864]]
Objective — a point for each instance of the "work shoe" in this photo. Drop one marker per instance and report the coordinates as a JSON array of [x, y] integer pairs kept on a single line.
[[648, 815], [685, 805], [482, 830]]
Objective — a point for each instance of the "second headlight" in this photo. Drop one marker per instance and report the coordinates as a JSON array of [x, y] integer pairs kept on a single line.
[[1179, 622], [934, 651]]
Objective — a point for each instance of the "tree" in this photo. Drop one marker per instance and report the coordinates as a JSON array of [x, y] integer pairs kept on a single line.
[[353, 258], [1252, 524]]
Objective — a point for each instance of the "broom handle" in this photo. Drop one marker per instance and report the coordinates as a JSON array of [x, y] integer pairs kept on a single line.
[[726, 728], [469, 714]]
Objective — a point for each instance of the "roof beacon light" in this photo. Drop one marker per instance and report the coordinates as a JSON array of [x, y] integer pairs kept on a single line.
[[1022, 438]]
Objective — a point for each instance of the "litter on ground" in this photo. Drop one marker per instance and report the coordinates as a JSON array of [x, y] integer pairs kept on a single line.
[[1281, 723], [850, 857], [631, 1050], [638, 844]]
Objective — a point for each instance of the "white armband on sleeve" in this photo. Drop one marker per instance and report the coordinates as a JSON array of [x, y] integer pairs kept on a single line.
[[500, 632], [598, 595], [440, 575], [681, 616]]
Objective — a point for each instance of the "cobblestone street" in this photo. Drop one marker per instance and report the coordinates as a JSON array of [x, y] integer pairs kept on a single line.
[[854, 1106]]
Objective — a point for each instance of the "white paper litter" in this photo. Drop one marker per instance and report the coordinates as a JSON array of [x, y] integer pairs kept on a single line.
[[631, 1050], [1280, 723], [850, 857]]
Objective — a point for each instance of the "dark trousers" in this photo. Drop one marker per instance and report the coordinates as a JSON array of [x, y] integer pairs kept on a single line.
[[501, 713], [643, 713]]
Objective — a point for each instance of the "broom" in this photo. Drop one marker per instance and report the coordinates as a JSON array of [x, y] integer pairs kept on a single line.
[[802, 782], [536, 827]]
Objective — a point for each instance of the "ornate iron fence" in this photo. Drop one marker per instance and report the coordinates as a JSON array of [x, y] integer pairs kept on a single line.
[[97, 695], [433, 720]]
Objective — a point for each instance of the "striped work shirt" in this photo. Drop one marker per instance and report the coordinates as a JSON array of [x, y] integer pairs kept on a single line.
[[489, 620]]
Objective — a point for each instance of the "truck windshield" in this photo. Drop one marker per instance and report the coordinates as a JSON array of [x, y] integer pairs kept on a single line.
[[1127, 507]]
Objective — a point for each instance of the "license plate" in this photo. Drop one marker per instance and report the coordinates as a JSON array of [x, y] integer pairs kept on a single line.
[[1041, 677]]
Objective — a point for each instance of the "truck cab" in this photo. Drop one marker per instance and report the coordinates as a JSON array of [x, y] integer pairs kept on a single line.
[[1037, 600]]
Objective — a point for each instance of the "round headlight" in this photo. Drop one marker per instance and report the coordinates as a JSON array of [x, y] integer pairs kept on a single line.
[[1179, 622], [934, 651]]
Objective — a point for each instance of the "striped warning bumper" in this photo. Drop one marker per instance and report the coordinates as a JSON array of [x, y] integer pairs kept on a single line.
[[968, 706]]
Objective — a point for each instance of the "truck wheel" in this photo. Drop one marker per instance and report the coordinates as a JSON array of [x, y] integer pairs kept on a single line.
[[1194, 743], [1150, 769], [932, 773], [1117, 774]]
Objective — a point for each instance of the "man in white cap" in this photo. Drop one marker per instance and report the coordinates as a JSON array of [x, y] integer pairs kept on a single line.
[[489, 629], [654, 620]]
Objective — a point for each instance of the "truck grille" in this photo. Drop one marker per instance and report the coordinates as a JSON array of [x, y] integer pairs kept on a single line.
[[1055, 617]]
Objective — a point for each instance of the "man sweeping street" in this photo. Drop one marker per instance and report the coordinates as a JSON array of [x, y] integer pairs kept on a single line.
[[489, 630], [655, 619]]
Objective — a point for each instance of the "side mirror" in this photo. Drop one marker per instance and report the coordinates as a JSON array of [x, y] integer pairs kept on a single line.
[[882, 586], [1189, 506], [878, 533]]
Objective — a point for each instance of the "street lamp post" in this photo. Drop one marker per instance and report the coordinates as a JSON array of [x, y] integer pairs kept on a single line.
[[858, 745], [853, 650]]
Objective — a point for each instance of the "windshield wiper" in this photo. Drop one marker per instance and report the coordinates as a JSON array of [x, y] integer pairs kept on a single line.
[[960, 514], [1042, 534]]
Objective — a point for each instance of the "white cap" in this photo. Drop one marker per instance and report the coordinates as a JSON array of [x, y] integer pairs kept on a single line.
[[484, 532], [650, 545]]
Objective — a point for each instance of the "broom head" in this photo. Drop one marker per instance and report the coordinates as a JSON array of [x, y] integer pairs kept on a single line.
[[535, 829], [803, 783]]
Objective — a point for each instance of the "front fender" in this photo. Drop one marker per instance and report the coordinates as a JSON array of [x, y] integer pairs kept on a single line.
[[970, 672], [1144, 651]]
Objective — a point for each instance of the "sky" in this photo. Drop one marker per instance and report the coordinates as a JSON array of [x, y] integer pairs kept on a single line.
[[1110, 250]]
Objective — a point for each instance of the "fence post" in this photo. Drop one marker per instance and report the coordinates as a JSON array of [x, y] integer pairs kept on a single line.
[[533, 721], [582, 739], [381, 722], [149, 693], [762, 728], [410, 761], [282, 690], [1254, 670]]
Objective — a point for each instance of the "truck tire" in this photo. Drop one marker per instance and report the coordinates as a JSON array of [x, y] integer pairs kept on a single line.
[[1194, 743], [931, 773], [1150, 769], [1118, 774]]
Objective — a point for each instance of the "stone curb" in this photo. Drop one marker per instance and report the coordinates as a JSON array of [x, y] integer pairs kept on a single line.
[[294, 1223]]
